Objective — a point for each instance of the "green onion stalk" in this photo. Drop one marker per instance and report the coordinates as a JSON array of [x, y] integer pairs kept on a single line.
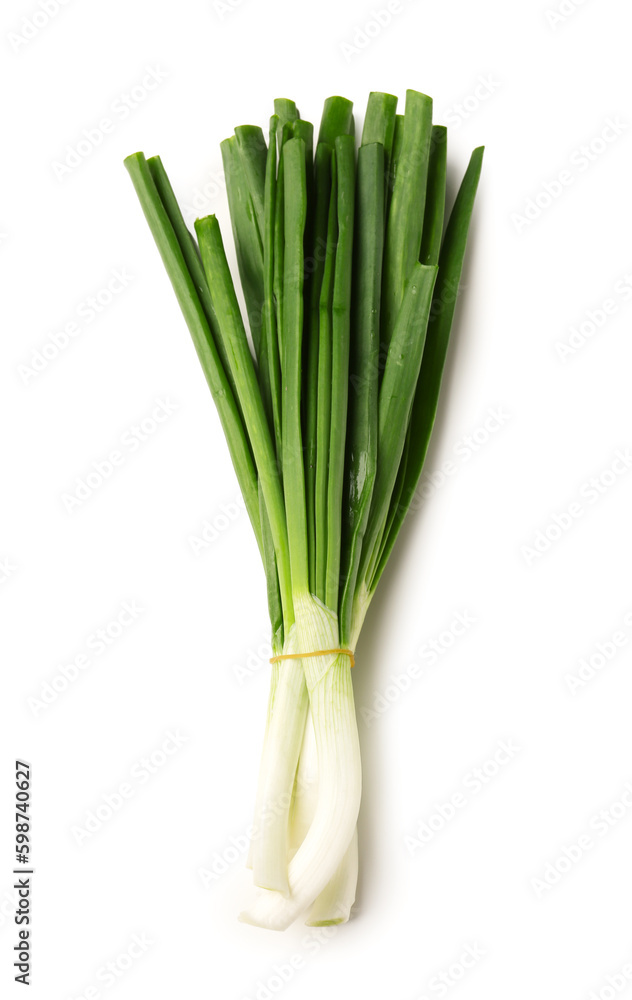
[[327, 393]]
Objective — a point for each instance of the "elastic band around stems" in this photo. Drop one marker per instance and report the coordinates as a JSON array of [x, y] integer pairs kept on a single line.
[[319, 652]]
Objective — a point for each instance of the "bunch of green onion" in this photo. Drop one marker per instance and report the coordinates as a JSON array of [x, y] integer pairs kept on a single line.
[[350, 279]]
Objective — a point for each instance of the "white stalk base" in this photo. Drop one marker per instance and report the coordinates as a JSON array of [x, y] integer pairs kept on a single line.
[[320, 855]]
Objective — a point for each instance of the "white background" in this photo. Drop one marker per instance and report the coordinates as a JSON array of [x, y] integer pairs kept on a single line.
[[552, 85]]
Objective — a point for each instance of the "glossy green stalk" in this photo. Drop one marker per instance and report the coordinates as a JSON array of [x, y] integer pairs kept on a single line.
[[391, 173], [304, 130], [323, 390], [295, 211], [241, 363], [396, 495], [191, 255], [283, 135], [186, 239], [364, 368], [248, 244], [253, 154], [314, 270], [287, 112], [439, 325], [279, 250], [275, 606], [379, 126], [396, 397], [429, 254], [270, 335], [379, 121], [197, 322], [432, 231], [337, 120], [406, 213], [341, 321]]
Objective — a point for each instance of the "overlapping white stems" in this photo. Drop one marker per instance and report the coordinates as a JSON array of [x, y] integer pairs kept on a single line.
[[274, 679], [330, 690], [269, 850], [305, 788], [334, 903]]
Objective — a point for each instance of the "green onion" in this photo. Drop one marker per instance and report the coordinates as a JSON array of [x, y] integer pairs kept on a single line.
[[327, 398]]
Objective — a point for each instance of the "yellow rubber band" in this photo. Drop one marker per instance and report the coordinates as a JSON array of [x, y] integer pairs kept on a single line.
[[319, 652]]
